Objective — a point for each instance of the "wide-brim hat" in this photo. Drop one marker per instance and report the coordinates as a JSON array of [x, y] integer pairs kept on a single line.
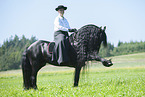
[[60, 6]]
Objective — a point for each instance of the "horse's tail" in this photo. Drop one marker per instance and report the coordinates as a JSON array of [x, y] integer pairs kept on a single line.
[[27, 70]]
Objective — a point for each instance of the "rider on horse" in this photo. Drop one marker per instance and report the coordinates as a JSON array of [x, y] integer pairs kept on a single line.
[[63, 52]]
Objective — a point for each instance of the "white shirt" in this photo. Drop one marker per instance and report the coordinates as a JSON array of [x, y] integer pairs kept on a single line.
[[61, 23]]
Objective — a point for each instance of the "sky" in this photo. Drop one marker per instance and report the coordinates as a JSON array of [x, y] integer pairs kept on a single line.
[[124, 19]]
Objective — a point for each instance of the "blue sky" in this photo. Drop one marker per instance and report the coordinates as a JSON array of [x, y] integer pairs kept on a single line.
[[125, 19]]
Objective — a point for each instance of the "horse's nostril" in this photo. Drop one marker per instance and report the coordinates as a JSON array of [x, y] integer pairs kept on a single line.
[[110, 64]]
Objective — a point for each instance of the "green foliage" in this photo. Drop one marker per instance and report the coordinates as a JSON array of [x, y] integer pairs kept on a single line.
[[106, 52], [128, 48], [11, 52], [122, 49]]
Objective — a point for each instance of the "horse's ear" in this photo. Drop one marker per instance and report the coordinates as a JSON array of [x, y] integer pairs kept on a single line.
[[101, 27], [110, 59], [104, 28]]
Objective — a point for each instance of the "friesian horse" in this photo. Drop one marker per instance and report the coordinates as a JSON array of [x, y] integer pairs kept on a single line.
[[86, 41]]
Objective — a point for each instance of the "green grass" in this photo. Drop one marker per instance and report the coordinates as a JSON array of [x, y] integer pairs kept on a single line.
[[125, 78]]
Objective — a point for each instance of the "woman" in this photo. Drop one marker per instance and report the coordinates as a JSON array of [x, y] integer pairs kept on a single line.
[[63, 51]]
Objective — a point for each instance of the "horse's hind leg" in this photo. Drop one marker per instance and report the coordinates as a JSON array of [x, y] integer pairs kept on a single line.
[[34, 78], [27, 78], [35, 68]]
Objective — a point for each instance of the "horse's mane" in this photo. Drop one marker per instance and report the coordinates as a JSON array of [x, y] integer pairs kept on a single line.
[[87, 39]]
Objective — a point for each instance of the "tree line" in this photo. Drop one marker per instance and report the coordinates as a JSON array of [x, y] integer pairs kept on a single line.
[[11, 50], [122, 48]]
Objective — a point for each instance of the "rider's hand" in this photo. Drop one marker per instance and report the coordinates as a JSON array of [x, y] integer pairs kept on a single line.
[[72, 30]]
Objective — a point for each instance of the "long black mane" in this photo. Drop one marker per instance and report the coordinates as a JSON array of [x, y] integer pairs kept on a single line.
[[87, 41]]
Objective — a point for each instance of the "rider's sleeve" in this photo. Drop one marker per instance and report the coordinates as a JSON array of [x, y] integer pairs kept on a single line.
[[61, 25]]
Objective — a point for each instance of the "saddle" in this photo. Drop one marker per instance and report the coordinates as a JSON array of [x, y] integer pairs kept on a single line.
[[50, 47]]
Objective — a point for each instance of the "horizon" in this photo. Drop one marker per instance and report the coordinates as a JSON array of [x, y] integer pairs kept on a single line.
[[12, 37]]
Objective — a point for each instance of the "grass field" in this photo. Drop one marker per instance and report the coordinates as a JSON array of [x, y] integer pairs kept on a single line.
[[125, 78]]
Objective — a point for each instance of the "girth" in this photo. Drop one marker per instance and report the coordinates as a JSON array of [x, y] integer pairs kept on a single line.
[[51, 47]]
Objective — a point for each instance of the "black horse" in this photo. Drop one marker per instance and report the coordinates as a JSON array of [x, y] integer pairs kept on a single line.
[[86, 41]]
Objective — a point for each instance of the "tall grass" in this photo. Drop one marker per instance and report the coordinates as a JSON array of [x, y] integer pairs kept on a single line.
[[125, 78]]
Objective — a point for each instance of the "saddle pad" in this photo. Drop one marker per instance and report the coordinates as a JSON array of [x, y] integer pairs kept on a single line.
[[50, 47]]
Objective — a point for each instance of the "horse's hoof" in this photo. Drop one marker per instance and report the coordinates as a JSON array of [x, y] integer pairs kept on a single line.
[[75, 85], [25, 89], [35, 88]]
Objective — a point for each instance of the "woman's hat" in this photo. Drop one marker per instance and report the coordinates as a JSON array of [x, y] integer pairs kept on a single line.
[[59, 7]]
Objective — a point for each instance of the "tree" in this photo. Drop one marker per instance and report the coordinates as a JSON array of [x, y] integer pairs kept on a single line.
[[11, 52]]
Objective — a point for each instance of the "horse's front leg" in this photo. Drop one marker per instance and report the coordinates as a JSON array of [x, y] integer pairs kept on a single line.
[[77, 75]]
